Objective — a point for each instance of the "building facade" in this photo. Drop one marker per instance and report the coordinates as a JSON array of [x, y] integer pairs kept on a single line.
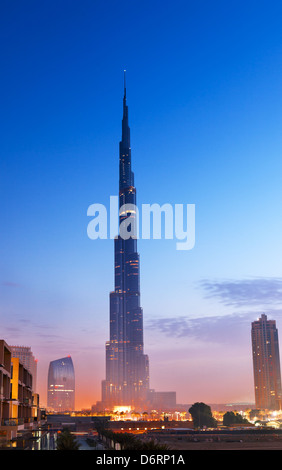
[[19, 407], [266, 364], [5, 382], [163, 401], [27, 358], [61, 385], [21, 392], [127, 367]]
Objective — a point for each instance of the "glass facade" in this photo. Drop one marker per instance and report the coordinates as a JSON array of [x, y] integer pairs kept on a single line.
[[61, 385], [127, 367], [266, 364]]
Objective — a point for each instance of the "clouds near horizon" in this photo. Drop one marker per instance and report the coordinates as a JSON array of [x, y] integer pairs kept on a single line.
[[258, 295], [245, 292]]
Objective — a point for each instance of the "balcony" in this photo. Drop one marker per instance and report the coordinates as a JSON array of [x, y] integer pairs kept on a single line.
[[12, 422], [17, 421]]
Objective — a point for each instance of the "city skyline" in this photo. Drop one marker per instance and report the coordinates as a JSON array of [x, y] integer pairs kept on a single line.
[[205, 96]]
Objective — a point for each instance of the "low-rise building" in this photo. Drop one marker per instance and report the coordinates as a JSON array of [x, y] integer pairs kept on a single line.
[[21, 392], [19, 406], [5, 389]]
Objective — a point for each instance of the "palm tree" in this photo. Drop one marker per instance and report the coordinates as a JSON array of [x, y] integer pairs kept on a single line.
[[138, 444], [153, 445], [126, 440], [67, 441], [144, 415]]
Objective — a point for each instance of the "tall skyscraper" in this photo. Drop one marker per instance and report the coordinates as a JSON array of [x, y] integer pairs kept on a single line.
[[61, 385], [127, 367], [266, 364], [27, 358]]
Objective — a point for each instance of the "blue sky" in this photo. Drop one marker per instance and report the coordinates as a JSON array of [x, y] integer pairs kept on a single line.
[[204, 96]]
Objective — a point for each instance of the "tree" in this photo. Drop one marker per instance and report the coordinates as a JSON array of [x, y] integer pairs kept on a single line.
[[126, 440], [66, 441], [202, 416], [230, 418], [133, 443], [152, 445], [254, 414], [129, 441]]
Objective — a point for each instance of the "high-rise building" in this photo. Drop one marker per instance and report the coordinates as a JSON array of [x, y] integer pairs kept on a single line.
[[266, 364], [162, 400], [127, 367], [27, 358], [61, 385]]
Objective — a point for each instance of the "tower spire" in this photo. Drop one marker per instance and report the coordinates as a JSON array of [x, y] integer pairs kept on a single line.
[[124, 83], [125, 140]]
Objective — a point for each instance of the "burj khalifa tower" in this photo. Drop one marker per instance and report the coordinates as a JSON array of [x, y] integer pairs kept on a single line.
[[127, 367]]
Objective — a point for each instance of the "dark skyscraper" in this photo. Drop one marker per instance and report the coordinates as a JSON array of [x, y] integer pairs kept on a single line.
[[266, 363], [127, 368], [61, 385]]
